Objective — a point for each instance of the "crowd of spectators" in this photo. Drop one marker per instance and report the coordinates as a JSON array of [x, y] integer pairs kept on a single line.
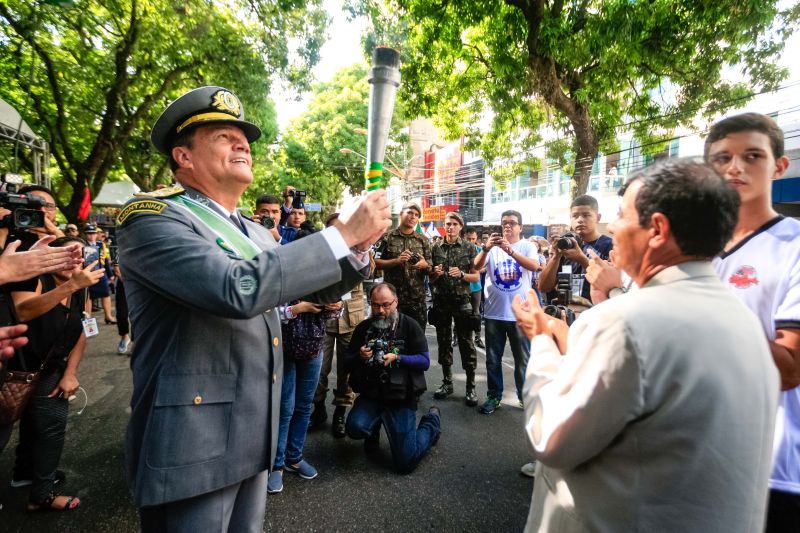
[[631, 354]]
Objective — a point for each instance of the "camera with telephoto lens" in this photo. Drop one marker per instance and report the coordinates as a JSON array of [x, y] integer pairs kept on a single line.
[[569, 240], [267, 222], [26, 210], [559, 307], [298, 199], [414, 259]]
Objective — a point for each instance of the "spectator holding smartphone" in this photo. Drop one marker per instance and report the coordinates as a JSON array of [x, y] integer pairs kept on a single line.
[[52, 307]]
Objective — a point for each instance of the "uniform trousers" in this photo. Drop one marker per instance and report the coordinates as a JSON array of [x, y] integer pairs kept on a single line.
[[466, 342], [343, 395], [237, 508], [416, 309]]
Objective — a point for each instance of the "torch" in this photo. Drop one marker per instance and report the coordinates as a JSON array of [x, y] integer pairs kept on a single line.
[[384, 79]]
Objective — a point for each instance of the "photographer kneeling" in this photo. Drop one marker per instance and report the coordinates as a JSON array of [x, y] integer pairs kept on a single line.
[[387, 358]]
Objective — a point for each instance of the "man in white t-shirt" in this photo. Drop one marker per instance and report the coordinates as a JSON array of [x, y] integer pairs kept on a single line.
[[761, 265], [510, 263]]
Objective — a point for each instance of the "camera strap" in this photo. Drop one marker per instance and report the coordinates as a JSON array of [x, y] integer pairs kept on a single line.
[[229, 236]]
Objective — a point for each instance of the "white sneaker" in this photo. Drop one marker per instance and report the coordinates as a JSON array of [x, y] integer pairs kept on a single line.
[[528, 469]]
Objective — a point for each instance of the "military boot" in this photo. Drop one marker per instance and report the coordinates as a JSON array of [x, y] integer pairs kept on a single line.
[[446, 389], [471, 399]]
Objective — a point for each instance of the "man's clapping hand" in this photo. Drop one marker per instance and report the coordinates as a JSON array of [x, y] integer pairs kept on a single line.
[[532, 320]]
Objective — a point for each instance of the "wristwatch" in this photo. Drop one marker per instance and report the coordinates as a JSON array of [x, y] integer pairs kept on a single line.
[[462, 275]]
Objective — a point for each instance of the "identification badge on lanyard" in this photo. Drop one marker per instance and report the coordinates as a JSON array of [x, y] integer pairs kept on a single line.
[[90, 326]]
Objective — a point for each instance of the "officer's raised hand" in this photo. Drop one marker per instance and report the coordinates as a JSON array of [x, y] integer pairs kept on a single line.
[[368, 222]]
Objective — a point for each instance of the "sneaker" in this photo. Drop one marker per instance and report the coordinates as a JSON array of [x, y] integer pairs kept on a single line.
[[122, 347], [303, 469], [528, 469], [471, 399], [444, 390], [275, 482], [479, 342], [521, 405], [489, 406], [25, 482]]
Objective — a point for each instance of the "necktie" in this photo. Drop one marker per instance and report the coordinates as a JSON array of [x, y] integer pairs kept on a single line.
[[237, 222]]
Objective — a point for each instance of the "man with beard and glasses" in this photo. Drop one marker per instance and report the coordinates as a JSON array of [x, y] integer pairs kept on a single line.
[[387, 359]]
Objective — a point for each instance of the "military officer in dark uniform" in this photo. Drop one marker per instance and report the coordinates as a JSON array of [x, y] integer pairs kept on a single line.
[[453, 271], [404, 256], [202, 283]]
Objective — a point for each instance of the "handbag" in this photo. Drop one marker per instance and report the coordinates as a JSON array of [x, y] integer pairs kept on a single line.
[[17, 386], [15, 393]]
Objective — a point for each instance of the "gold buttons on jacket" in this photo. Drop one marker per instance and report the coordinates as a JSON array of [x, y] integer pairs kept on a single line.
[[198, 400], [275, 341], [274, 377]]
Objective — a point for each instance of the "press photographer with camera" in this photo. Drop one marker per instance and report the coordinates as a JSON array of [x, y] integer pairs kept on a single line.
[[569, 253], [288, 203], [42, 199], [387, 359], [404, 256], [452, 273], [294, 223], [268, 214]]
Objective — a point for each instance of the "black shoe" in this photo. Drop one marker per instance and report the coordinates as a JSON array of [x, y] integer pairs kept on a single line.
[[436, 412], [479, 342], [337, 426], [471, 398], [444, 390], [373, 442], [318, 416]]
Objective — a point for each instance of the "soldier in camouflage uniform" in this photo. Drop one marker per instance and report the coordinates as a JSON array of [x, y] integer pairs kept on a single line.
[[404, 256], [453, 271]]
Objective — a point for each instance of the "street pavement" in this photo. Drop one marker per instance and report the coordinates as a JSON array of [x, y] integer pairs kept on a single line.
[[469, 482]]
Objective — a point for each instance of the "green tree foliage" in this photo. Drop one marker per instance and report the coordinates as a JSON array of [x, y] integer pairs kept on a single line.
[[310, 156], [92, 79], [584, 69]]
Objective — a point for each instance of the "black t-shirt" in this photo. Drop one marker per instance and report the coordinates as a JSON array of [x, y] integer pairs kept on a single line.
[[58, 329], [602, 245]]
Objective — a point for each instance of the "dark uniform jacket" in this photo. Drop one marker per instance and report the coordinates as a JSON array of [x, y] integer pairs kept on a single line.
[[409, 282], [207, 362]]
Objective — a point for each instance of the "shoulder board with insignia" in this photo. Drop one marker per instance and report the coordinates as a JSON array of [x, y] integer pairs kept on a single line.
[[166, 192], [154, 207]]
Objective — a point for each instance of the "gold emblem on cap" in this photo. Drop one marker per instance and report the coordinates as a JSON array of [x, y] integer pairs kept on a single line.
[[227, 102]]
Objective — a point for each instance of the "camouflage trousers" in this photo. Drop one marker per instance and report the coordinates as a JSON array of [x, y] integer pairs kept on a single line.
[[417, 310], [464, 334]]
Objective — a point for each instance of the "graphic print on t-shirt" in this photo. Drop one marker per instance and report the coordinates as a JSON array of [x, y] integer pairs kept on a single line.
[[745, 276], [507, 275]]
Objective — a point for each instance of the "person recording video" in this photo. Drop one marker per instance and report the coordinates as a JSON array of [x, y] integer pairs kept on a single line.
[[387, 359], [268, 214]]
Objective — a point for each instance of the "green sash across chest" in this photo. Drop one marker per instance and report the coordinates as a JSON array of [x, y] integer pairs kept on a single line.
[[229, 238]]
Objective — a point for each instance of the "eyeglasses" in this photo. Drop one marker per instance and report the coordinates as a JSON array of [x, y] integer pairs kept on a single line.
[[385, 306], [511, 223], [49, 205]]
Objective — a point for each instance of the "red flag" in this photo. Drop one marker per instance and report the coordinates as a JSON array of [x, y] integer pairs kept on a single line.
[[86, 205]]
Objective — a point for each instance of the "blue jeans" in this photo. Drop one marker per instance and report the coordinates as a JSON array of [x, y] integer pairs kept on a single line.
[[408, 441], [496, 333], [297, 395]]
